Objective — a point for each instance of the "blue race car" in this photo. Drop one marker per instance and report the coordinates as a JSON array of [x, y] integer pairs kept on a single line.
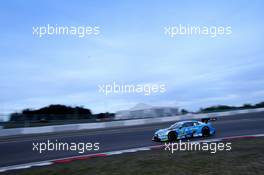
[[184, 129]]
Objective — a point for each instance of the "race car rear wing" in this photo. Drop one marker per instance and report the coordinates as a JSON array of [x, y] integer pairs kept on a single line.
[[207, 119]]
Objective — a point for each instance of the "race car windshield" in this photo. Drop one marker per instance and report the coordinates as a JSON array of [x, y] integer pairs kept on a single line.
[[176, 125]]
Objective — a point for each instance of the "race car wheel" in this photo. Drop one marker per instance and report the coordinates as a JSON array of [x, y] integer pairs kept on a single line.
[[191, 136], [205, 131], [172, 136]]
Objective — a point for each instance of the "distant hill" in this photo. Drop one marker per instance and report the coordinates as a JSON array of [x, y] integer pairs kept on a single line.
[[220, 108], [56, 112]]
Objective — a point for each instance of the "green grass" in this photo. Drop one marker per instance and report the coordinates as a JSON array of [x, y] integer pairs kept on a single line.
[[246, 157]]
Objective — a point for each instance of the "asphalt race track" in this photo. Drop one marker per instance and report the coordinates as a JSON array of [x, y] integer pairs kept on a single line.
[[18, 150]]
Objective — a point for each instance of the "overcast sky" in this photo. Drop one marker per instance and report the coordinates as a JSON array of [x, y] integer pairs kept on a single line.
[[132, 48]]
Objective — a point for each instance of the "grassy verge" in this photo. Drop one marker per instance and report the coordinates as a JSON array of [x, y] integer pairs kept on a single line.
[[246, 157]]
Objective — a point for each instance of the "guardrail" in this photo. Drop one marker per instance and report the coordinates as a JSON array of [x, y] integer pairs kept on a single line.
[[122, 123]]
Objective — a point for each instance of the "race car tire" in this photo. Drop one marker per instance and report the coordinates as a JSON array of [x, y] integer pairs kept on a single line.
[[191, 136], [172, 136], [205, 131]]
